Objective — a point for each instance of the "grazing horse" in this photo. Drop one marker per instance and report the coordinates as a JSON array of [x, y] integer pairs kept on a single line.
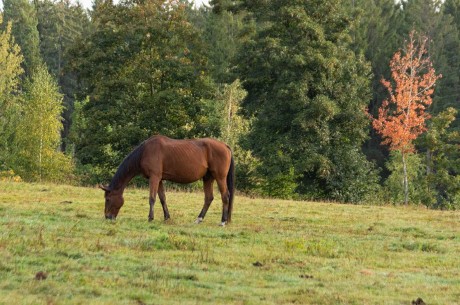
[[184, 161]]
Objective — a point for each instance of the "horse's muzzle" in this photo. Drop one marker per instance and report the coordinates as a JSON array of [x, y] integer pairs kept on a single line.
[[111, 217]]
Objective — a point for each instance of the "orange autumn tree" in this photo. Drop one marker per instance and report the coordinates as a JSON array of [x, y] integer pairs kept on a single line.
[[402, 117]]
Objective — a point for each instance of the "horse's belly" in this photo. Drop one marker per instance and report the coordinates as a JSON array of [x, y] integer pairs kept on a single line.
[[184, 172]]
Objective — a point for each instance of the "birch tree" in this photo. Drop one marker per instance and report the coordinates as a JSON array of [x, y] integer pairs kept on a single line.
[[38, 131]]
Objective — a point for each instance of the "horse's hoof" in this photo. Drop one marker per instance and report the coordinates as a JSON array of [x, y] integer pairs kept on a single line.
[[223, 223], [199, 220], [150, 219]]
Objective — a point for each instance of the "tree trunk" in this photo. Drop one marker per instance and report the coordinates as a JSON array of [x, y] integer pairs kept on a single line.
[[40, 151], [428, 162], [229, 116], [405, 181]]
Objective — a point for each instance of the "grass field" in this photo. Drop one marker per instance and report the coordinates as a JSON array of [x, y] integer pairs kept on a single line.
[[56, 248]]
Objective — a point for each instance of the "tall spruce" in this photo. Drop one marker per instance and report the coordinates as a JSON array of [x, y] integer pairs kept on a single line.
[[452, 7], [374, 33], [443, 161], [429, 19], [307, 91], [22, 15], [451, 84], [60, 24], [222, 35]]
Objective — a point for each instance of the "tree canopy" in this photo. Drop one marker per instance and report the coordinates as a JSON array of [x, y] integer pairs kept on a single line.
[[307, 91], [288, 84]]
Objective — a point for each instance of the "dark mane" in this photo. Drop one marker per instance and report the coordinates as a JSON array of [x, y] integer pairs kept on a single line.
[[128, 168]]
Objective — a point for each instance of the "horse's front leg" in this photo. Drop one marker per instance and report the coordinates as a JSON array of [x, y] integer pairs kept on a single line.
[[162, 196], [153, 185]]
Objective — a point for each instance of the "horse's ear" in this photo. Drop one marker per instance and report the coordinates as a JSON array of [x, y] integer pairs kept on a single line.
[[104, 188]]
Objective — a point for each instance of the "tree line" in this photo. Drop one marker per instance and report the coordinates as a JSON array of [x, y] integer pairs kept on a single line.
[[293, 86]]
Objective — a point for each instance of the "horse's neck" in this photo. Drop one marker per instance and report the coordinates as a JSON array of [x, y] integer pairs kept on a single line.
[[128, 169], [118, 187], [120, 183]]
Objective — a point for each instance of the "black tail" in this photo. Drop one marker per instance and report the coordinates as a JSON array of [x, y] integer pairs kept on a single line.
[[231, 188]]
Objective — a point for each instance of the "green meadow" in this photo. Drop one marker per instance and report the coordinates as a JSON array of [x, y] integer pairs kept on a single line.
[[56, 248]]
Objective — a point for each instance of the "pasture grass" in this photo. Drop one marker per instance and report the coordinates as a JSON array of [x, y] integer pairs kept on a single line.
[[56, 248]]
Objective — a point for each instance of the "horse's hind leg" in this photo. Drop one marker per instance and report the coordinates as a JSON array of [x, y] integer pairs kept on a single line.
[[222, 183], [162, 196], [208, 197], [153, 184]]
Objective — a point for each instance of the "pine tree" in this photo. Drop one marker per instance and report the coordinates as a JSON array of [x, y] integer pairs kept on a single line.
[[22, 15], [452, 7], [374, 34], [429, 18], [451, 69], [443, 160], [222, 35], [60, 24]]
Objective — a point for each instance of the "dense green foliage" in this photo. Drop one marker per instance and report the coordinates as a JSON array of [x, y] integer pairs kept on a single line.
[[154, 82], [443, 33], [11, 70], [306, 90], [37, 137], [22, 15], [442, 160], [60, 24], [285, 83]]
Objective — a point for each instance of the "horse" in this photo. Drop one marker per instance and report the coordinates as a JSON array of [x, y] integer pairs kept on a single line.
[[160, 158]]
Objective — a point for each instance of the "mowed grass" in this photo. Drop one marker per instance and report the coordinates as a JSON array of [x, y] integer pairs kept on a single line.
[[274, 252]]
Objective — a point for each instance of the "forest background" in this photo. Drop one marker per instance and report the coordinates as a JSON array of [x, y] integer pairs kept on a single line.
[[288, 84]]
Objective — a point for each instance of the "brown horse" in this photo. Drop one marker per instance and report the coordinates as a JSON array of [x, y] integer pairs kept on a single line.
[[184, 161]]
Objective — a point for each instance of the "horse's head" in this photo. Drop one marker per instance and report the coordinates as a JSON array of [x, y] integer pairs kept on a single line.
[[113, 202]]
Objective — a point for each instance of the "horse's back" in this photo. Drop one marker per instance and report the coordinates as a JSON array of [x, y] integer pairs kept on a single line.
[[184, 161]]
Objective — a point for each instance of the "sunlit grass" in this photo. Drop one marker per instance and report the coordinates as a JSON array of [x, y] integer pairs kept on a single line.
[[274, 252]]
